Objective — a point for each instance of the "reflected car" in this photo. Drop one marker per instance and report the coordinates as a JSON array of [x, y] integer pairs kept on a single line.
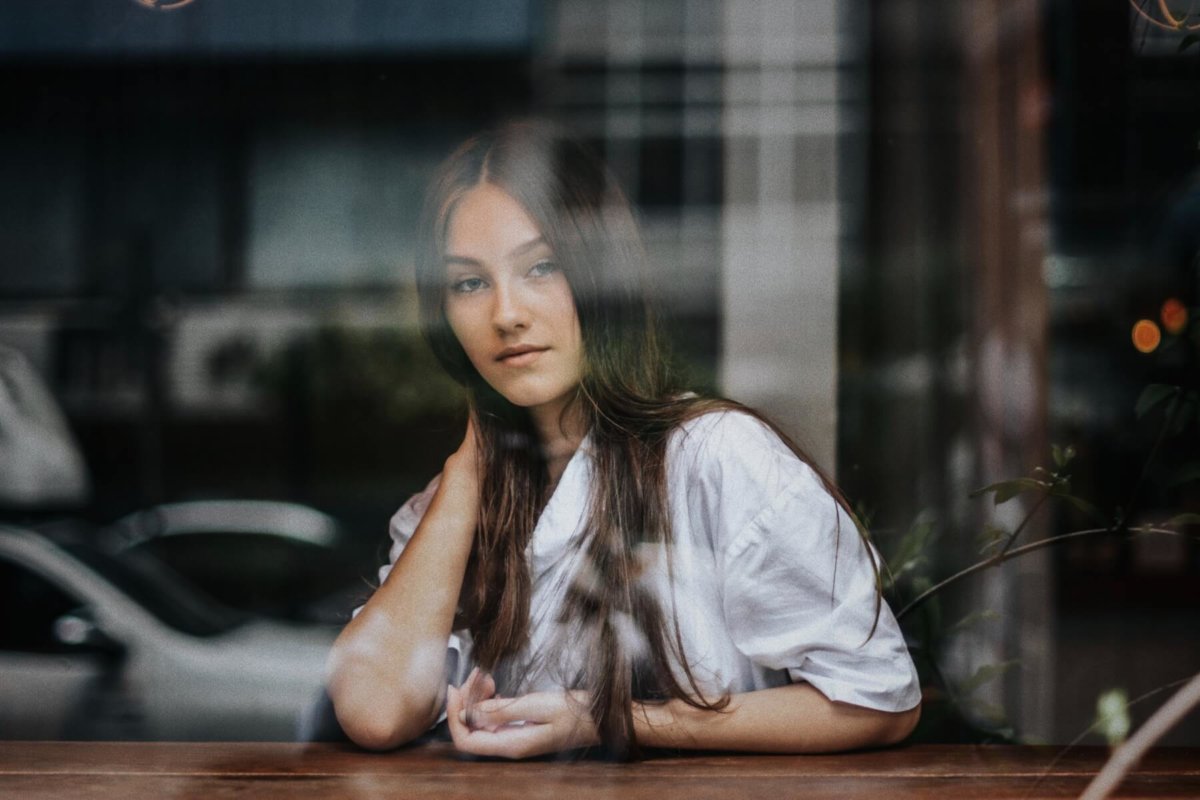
[[281, 560], [95, 647]]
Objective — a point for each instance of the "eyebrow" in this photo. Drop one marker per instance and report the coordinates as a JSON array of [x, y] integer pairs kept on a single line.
[[516, 252]]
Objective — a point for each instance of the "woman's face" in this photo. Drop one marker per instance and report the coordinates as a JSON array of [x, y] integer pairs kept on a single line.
[[509, 304]]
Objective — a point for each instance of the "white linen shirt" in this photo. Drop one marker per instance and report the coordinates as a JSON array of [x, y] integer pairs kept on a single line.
[[772, 583]]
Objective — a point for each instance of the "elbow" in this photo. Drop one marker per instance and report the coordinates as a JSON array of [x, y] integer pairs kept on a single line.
[[900, 726], [376, 723], [372, 713], [370, 732]]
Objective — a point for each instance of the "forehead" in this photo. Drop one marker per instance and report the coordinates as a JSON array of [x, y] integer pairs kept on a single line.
[[488, 223]]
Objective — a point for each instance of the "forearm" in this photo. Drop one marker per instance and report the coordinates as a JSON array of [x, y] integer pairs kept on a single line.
[[387, 668], [788, 719]]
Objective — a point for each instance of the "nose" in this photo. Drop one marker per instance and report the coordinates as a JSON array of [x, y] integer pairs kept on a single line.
[[510, 311]]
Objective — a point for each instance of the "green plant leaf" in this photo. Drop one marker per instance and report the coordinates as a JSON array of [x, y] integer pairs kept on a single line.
[[1062, 455], [1183, 418], [1112, 716], [1084, 506], [910, 553], [990, 537], [929, 618], [973, 619], [1152, 395], [1187, 42], [1007, 490], [865, 514], [985, 674], [1179, 520], [1006, 733], [910, 567], [990, 714]]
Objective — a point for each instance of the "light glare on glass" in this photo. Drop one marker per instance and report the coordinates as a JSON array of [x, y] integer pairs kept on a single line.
[[1146, 336], [1174, 315]]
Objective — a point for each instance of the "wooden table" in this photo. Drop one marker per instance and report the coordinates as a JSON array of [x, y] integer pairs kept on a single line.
[[266, 770]]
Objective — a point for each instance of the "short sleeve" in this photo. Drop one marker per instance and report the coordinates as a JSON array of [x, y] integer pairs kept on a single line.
[[404, 522], [797, 580], [401, 528]]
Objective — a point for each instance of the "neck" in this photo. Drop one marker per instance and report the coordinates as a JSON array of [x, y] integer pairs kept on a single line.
[[560, 429]]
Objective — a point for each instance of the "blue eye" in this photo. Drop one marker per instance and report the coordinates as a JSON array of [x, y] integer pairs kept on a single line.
[[466, 285], [543, 268]]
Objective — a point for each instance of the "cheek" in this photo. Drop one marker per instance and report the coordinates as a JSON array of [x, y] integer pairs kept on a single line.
[[464, 331], [574, 334], [565, 316], [576, 331]]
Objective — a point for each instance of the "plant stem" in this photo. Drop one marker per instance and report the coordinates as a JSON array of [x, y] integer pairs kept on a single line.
[[1127, 755], [1091, 728], [1012, 537], [1166, 12], [1149, 18], [1000, 558], [1160, 23]]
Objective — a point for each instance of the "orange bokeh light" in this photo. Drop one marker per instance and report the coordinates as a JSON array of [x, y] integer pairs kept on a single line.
[[1174, 316], [1146, 336]]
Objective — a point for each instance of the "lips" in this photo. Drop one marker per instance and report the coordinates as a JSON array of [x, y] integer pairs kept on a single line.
[[520, 355]]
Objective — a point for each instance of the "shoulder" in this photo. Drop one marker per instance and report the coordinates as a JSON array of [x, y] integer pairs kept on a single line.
[[732, 443], [406, 519], [730, 472], [724, 426], [404, 524]]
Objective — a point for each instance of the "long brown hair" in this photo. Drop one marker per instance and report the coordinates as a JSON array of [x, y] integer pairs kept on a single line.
[[629, 402]]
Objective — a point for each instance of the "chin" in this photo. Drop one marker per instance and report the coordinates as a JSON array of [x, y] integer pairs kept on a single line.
[[525, 400], [530, 397]]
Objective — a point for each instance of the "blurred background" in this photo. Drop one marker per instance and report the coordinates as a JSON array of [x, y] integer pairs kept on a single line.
[[944, 243]]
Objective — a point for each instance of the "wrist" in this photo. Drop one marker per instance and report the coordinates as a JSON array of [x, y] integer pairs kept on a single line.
[[456, 498], [662, 724], [461, 471]]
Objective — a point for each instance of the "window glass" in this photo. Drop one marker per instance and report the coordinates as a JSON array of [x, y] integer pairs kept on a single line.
[[41, 214]]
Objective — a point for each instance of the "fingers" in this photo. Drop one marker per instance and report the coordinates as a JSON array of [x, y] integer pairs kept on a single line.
[[464, 464], [478, 686], [454, 715], [506, 742], [537, 708], [461, 716], [491, 715], [519, 727], [500, 711], [468, 684], [511, 742], [469, 439]]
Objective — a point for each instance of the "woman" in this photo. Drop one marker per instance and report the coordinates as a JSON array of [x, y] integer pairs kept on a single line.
[[626, 563]]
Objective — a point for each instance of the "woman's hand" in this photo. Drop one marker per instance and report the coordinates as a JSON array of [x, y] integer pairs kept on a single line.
[[518, 727], [463, 464]]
